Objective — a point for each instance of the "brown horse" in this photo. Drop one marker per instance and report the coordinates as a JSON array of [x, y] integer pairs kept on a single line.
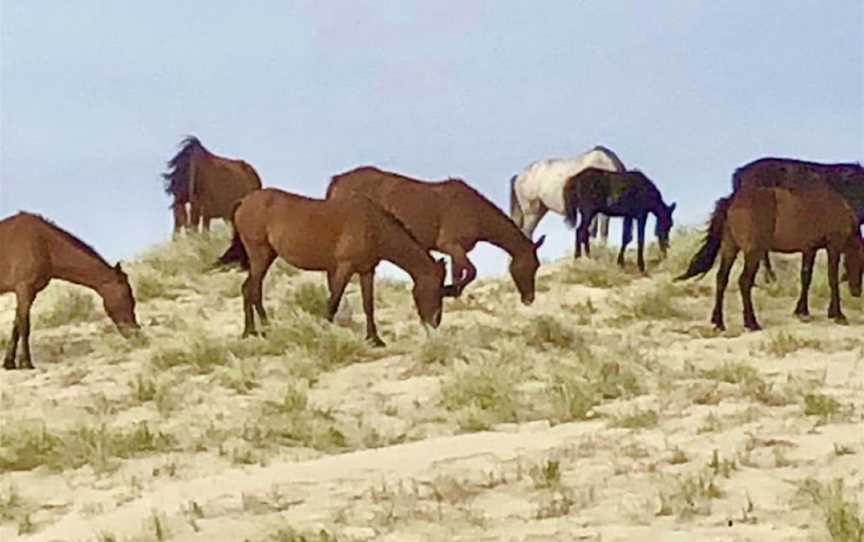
[[210, 184], [35, 251], [450, 217], [341, 236], [757, 220]]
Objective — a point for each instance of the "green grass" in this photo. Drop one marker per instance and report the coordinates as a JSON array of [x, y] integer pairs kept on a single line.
[[843, 519], [72, 306], [783, 343], [483, 393], [309, 298], [637, 419], [545, 332]]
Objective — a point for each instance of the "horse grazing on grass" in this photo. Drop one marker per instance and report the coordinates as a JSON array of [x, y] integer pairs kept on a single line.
[[450, 217], [342, 236], [211, 185], [846, 179], [539, 188], [36, 251], [630, 194], [757, 220]]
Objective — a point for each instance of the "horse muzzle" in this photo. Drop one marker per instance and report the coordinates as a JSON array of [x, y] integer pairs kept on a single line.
[[528, 300]]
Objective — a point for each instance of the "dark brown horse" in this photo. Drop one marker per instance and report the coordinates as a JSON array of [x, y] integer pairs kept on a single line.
[[628, 194], [450, 217], [756, 220], [211, 185], [847, 179], [342, 236], [36, 251]]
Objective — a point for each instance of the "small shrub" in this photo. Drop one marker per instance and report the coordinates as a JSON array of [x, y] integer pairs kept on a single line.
[[843, 518], [71, 307], [596, 274], [638, 419], [546, 332], [310, 298], [782, 344], [824, 406], [487, 390]]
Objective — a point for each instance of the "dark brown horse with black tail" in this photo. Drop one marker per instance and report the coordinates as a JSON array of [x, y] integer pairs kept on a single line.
[[450, 217], [211, 185], [34, 251], [847, 179], [628, 194], [342, 236], [757, 220]]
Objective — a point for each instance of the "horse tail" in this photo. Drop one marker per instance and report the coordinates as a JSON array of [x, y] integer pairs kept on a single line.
[[571, 205], [515, 209], [704, 258], [236, 252]]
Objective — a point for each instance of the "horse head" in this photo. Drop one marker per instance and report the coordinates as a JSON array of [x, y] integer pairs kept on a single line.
[[523, 269], [664, 226], [428, 293], [118, 301]]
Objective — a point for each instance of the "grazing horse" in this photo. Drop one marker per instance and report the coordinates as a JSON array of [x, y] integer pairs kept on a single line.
[[539, 188], [36, 251], [630, 194], [756, 220], [846, 179], [341, 236], [449, 217], [210, 184]]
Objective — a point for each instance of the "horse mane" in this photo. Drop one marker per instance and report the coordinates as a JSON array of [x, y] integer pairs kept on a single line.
[[75, 241], [393, 219], [612, 156], [487, 202], [177, 177]]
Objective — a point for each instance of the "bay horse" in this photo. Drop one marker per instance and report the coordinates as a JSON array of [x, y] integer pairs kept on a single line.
[[538, 188], [629, 194], [757, 220], [341, 236], [210, 184], [36, 251], [450, 217], [846, 178]]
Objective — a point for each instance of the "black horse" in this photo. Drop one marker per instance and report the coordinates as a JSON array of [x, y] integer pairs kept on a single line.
[[629, 194], [846, 179]]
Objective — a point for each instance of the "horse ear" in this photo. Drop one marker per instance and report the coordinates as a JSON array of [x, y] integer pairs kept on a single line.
[[118, 268], [672, 207], [539, 242]]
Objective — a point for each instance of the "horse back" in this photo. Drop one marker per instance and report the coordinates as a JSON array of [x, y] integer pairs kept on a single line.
[[26, 252]]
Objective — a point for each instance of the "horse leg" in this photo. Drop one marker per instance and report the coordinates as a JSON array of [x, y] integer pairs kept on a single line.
[[22, 321], [727, 260], [770, 276], [583, 234], [808, 257], [834, 311], [626, 237], [181, 219], [641, 221], [604, 229], [367, 287], [745, 284], [260, 259], [11, 350], [194, 217], [337, 281], [462, 270], [532, 218]]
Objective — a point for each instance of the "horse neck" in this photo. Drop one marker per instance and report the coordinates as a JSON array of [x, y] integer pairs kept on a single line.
[[403, 251], [75, 265], [498, 229]]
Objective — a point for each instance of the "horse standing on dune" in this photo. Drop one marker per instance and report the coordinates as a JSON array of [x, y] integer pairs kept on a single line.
[[847, 179], [340, 235], [450, 217], [757, 220], [211, 185], [539, 188], [630, 194], [36, 251]]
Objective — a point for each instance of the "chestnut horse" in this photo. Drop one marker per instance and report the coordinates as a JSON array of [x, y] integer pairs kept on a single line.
[[630, 194], [211, 185], [341, 236], [449, 217], [847, 179], [757, 220], [36, 251]]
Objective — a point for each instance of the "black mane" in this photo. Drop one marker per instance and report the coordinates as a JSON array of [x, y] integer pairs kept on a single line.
[[177, 177]]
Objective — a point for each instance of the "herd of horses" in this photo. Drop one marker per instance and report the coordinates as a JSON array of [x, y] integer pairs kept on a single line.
[[369, 215]]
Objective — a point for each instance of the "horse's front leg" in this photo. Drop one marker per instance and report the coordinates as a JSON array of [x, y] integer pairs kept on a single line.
[[22, 317], [834, 311], [462, 270], [641, 221], [745, 284], [367, 287], [583, 233], [626, 237], [337, 281], [802, 309], [770, 276]]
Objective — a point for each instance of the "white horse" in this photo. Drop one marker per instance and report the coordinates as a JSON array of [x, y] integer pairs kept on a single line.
[[540, 188]]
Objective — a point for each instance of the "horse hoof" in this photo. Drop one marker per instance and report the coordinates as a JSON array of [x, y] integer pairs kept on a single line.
[[804, 317], [376, 342], [841, 320], [753, 327]]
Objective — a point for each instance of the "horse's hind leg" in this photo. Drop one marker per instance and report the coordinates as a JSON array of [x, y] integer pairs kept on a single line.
[[367, 287], [640, 242], [12, 349], [583, 234], [22, 324], [745, 284], [337, 280], [770, 276], [626, 237], [834, 311], [727, 259], [260, 259], [802, 309]]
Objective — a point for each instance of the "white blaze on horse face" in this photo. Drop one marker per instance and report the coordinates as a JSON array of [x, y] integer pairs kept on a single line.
[[543, 181]]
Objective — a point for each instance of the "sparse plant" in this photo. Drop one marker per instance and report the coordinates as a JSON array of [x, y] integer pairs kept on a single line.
[[843, 519], [783, 343], [824, 406], [309, 298], [487, 390], [546, 332], [546, 474], [842, 449], [636, 419], [73, 305]]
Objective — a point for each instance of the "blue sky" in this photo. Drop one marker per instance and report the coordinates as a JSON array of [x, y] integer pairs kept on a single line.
[[94, 96]]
